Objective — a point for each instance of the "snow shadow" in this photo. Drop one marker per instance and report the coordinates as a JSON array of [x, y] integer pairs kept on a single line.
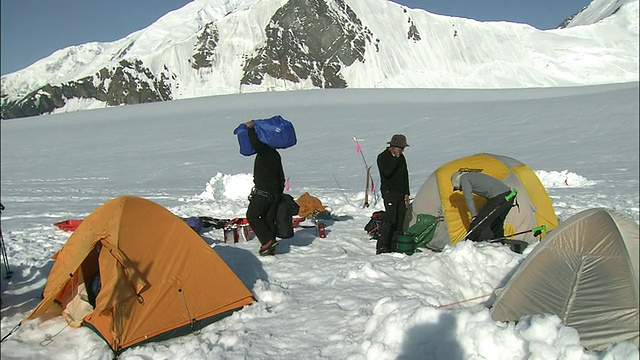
[[15, 300], [433, 341], [244, 264]]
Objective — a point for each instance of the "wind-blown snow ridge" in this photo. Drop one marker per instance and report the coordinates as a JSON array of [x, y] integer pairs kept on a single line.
[[236, 187], [562, 179], [228, 187]]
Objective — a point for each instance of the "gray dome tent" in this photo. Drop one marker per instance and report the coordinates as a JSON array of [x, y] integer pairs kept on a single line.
[[586, 273]]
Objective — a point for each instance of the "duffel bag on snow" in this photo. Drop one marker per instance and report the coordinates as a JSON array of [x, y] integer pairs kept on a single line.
[[285, 210], [277, 132]]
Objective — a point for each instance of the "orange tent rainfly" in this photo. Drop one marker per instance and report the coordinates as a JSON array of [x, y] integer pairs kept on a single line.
[[134, 272]]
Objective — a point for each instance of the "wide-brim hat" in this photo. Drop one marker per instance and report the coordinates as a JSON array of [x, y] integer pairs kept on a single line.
[[398, 140]]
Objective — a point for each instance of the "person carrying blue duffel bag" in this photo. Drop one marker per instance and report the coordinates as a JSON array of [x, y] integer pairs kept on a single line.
[[269, 182]]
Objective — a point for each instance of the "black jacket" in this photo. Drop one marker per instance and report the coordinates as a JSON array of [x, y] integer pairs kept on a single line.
[[268, 174], [394, 176]]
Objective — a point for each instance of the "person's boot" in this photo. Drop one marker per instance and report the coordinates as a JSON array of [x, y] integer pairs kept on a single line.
[[269, 248], [382, 250]]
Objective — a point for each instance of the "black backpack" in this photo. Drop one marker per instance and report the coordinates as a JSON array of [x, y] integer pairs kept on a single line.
[[286, 208], [374, 225]]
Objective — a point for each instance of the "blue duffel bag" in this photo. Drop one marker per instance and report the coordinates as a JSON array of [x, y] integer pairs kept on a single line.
[[243, 139], [277, 132]]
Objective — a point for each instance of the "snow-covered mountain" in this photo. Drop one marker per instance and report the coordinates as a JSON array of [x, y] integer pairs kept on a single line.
[[214, 47]]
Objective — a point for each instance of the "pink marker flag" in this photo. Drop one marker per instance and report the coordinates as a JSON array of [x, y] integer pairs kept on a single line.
[[286, 185], [358, 148], [373, 187]]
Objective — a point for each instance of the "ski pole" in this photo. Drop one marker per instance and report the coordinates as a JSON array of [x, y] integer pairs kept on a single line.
[[507, 198], [366, 167], [536, 232], [479, 223], [341, 190], [359, 151], [5, 257]]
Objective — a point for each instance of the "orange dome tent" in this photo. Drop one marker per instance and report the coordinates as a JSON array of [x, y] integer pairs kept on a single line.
[[158, 277]]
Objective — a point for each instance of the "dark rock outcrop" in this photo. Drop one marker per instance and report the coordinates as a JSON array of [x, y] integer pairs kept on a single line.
[[204, 55], [309, 39], [128, 83]]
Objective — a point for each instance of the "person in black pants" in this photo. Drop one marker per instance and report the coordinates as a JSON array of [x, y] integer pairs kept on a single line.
[[488, 223], [394, 184], [268, 180]]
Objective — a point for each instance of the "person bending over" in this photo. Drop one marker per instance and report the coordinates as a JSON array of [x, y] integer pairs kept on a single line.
[[488, 223]]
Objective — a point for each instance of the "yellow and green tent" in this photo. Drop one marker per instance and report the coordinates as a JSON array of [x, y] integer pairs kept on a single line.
[[437, 199]]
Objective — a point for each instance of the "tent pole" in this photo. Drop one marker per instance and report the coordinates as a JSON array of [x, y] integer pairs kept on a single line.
[[536, 232]]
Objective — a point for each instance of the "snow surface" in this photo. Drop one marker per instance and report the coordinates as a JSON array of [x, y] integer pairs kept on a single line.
[[317, 298]]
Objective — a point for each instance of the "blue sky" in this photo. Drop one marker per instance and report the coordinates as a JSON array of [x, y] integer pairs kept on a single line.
[[33, 29]]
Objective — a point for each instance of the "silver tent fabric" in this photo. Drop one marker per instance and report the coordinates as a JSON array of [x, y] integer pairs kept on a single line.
[[586, 273]]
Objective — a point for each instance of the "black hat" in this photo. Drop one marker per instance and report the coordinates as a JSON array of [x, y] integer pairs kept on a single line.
[[398, 140]]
